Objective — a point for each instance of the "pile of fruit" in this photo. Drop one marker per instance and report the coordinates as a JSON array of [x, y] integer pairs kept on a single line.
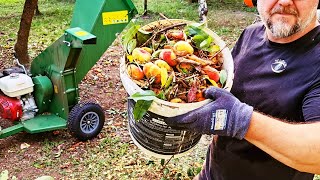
[[176, 61]]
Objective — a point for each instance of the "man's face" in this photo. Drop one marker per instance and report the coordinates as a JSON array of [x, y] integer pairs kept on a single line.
[[287, 17]]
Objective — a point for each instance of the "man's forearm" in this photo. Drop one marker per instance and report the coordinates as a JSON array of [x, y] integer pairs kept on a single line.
[[296, 145]]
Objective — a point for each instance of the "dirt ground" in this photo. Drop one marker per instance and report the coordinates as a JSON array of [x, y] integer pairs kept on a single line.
[[101, 85], [28, 156]]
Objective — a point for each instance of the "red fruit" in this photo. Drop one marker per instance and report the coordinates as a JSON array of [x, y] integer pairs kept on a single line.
[[176, 34], [212, 73], [168, 56]]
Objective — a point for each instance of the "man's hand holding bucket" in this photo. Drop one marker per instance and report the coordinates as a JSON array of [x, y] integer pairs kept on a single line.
[[224, 116]]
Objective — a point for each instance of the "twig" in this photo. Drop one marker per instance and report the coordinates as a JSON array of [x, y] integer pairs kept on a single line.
[[164, 29], [190, 77], [163, 16]]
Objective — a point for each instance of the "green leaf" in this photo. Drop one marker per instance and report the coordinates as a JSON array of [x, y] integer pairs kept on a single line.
[[162, 161], [150, 162], [197, 39], [190, 172], [206, 43], [156, 53], [143, 36], [129, 35], [143, 102], [193, 29], [131, 45], [140, 109], [147, 95], [198, 170], [161, 95], [166, 171], [223, 76]]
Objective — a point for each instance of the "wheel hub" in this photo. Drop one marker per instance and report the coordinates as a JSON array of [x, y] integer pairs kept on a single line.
[[89, 122]]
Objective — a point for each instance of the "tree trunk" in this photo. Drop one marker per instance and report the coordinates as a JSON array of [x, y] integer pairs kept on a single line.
[[145, 7], [38, 13], [21, 46]]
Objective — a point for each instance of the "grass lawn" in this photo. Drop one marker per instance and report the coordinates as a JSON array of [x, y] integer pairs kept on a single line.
[[108, 156]]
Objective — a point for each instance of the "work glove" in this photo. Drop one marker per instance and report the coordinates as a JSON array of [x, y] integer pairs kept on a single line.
[[224, 116]]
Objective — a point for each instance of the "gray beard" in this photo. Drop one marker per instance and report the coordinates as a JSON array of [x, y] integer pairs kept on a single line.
[[282, 30]]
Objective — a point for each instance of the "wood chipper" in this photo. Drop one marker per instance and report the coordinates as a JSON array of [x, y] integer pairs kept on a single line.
[[47, 97]]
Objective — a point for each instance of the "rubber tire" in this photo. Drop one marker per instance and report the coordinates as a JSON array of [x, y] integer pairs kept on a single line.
[[77, 113]]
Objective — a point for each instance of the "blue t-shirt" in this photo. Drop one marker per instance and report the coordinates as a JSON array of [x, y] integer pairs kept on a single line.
[[280, 80]]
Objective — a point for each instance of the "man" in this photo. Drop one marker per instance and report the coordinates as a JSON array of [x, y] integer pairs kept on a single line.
[[277, 71]]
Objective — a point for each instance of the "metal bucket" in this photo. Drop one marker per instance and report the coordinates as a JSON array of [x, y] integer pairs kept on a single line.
[[151, 134]]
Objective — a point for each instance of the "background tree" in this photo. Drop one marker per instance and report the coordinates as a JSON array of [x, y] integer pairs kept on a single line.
[[38, 13], [21, 46]]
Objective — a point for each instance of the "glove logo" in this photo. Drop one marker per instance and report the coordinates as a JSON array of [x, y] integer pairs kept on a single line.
[[278, 66], [219, 120]]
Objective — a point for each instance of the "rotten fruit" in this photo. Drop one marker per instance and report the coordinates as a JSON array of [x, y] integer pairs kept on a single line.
[[152, 72], [169, 56], [141, 55], [212, 73], [178, 62], [135, 72], [183, 48]]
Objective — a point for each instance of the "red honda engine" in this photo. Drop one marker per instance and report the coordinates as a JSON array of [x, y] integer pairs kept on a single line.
[[10, 108]]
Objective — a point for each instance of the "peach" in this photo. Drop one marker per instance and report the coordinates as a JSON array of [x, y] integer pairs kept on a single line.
[[147, 49], [135, 72], [151, 70], [169, 56], [141, 55], [176, 34], [183, 47], [162, 64], [212, 73]]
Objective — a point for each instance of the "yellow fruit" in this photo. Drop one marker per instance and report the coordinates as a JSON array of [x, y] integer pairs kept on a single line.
[[183, 46], [151, 70], [162, 64], [141, 56]]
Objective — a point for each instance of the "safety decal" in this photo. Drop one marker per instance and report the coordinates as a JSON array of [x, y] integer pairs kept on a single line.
[[115, 17]]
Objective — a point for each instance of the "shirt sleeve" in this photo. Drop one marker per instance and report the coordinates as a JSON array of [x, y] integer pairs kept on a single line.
[[311, 103]]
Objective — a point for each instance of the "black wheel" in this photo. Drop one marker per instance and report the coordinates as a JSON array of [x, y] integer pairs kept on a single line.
[[86, 120]]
